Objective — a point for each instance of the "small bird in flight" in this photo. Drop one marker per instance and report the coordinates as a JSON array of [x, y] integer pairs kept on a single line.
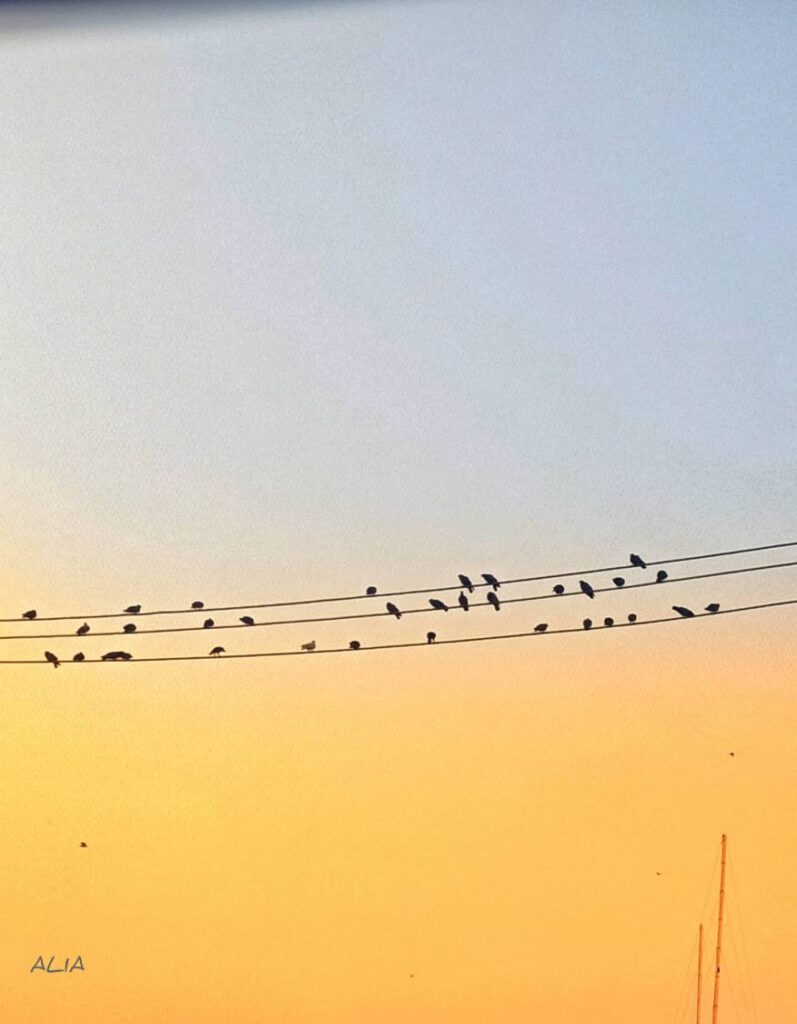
[[608, 622], [541, 627], [431, 637], [713, 608], [354, 645], [52, 658], [84, 846], [618, 581], [29, 615], [632, 617], [309, 647], [217, 651], [247, 620], [208, 624], [80, 656], [130, 627], [493, 599], [587, 623], [466, 583], [685, 613], [133, 609], [197, 604], [661, 576], [732, 754], [464, 603], [586, 588], [393, 609], [82, 630], [559, 589], [639, 562], [116, 656], [370, 592], [489, 578], [439, 605]]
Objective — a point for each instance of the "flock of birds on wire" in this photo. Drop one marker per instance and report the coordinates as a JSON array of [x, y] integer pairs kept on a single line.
[[463, 601]]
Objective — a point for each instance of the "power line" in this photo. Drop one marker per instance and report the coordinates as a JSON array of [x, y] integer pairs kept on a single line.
[[384, 614], [437, 643], [406, 593]]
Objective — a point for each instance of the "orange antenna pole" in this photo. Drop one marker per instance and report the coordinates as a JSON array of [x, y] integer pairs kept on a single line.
[[715, 1010], [699, 970]]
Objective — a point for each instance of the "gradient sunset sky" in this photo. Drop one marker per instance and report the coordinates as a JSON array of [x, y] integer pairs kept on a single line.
[[299, 298]]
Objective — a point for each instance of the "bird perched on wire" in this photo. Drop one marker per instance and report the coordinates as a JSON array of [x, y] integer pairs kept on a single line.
[[393, 609], [713, 608], [132, 609], [541, 627], [52, 658], [640, 563], [431, 637], [608, 622], [466, 583], [354, 645], [370, 592], [208, 624], [587, 623], [440, 606], [80, 656], [309, 647], [559, 589], [464, 603], [586, 588], [661, 576], [217, 651], [247, 620], [31, 615], [489, 578], [82, 630], [129, 627], [493, 599], [197, 604], [618, 581], [632, 617], [116, 656], [685, 613]]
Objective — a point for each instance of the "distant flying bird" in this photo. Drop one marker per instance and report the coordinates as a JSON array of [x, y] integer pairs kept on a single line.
[[52, 658], [247, 620], [640, 563], [82, 630], [393, 609], [541, 627], [130, 627], [439, 605], [29, 615], [116, 656], [618, 581], [466, 583], [80, 656], [217, 651], [712, 608], [371, 592], [732, 754], [658, 873], [134, 609], [587, 623], [431, 637], [354, 645], [661, 576], [489, 578], [208, 624], [608, 622], [559, 589], [586, 588], [198, 604], [309, 647], [632, 617], [463, 600], [685, 613], [493, 599], [84, 846]]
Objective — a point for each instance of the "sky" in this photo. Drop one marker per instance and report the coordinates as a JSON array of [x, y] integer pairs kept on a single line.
[[300, 298]]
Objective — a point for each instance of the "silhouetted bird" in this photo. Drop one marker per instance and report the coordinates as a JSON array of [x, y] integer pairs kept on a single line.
[[608, 622], [84, 846], [116, 656], [431, 637], [197, 604], [354, 645], [618, 581], [208, 624], [464, 603], [661, 576], [82, 630], [371, 592], [217, 651], [52, 658], [559, 588], [732, 754], [309, 647], [80, 656], [29, 615], [586, 588], [489, 578], [640, 563], [493, 599], [712, 608], [130, 627], [393, 609], [439, 605], [587, 623], [134, 609], [685, 613], [541, 627], [247, 620], [632, 617], [466, 583]]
